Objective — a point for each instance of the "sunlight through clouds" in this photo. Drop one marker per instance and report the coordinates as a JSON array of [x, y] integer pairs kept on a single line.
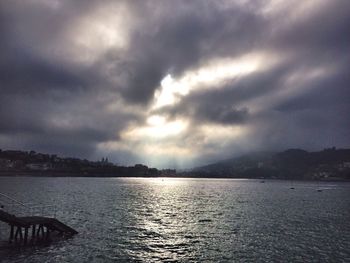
[[157, 128], [211, 75]]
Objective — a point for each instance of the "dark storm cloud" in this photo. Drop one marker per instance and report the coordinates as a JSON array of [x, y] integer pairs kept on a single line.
[[63, 126], [325, 30], [47, 103], [180, 40], [52, 102], [27, 73], [202, 112], [220, 114], [331, 92]]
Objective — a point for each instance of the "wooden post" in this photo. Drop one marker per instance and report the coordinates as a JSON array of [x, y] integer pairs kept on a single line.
[[47, 233], [33, 231], [11, 233], [25, 235], [38, 232], [42, 231], [19, 233]]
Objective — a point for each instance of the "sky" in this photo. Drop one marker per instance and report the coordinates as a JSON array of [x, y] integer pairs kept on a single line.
[[173, 83]]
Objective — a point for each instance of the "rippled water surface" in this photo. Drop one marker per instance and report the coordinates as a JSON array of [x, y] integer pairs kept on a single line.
[[188, 220]]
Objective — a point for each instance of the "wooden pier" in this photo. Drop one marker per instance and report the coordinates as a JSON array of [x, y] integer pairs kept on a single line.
[[33, 228]]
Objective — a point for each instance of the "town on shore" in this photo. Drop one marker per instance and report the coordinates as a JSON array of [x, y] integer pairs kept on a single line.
[[31, 163], [328, 164]]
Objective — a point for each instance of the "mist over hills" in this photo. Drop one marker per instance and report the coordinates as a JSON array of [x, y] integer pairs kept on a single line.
[[330, 163]]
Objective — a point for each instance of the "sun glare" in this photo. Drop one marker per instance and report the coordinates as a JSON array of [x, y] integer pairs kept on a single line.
[[157, 127], [212, 75]]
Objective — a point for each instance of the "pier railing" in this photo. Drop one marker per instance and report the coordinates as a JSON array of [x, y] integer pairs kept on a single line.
[[17, 208]]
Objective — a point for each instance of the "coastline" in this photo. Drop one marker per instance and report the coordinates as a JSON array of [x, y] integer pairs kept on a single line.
[[73, 174]]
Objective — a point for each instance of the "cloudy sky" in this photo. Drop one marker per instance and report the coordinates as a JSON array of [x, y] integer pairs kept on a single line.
[[173, 83]]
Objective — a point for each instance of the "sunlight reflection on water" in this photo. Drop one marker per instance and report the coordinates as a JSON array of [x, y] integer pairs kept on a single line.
[[189, 220]]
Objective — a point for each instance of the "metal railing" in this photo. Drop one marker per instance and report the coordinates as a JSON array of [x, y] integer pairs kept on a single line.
[[17, 208]]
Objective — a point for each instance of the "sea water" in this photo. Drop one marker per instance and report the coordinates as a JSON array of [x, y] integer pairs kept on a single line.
[[187, 220]]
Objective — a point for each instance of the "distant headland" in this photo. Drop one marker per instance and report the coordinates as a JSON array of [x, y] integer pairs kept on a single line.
[[328, 164]]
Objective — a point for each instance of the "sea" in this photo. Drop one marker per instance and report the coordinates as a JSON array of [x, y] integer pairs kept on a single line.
[[186, 220]]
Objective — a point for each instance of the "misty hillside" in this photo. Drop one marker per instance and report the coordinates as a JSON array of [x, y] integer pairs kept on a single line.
[[292, 163]]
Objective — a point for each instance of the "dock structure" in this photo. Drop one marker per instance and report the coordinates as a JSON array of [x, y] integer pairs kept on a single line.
[[33, 228]]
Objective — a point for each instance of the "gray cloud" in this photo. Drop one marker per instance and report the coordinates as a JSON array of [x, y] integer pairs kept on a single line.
[[206, 110], [181, 39], [51, 102]]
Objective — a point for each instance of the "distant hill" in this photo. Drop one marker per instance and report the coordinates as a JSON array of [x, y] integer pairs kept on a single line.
[[329, 164], [24, 163]]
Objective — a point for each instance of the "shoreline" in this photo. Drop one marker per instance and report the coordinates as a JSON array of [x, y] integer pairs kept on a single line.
[[56, 174]]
